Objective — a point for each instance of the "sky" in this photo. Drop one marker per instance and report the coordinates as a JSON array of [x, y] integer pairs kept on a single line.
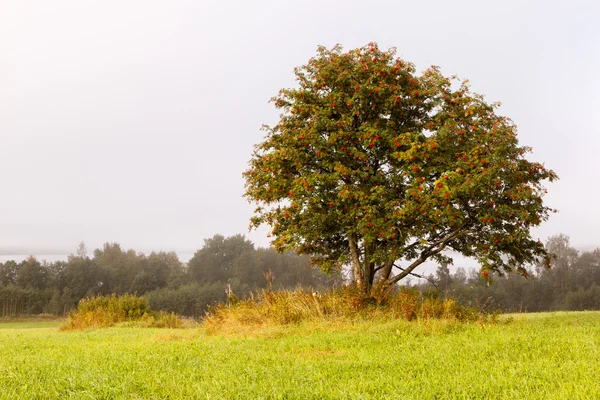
[[132, 121]]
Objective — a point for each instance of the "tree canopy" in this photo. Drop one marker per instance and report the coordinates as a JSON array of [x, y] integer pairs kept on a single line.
[[374, 166]]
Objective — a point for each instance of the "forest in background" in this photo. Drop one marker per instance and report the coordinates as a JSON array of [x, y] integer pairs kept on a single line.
[[33, 287], [572, 283]]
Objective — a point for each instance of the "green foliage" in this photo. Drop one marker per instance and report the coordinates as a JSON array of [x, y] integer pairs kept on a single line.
[[536, 356], [105, 311], [567, 285], [17, 301], [371, 163], [32, 287], [125, 307], [8, 273], [62, 303], [31, 274], [571, 283], [214, 262], [160, 319], [191, 300], [583, 299]]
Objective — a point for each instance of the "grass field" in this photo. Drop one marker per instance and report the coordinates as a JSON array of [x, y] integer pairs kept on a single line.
[[538, 356]]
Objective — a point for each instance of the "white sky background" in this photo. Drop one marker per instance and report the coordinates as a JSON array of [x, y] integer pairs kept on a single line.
[[132, 121]]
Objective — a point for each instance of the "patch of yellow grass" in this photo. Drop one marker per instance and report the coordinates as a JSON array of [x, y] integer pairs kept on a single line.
[[269, 309]]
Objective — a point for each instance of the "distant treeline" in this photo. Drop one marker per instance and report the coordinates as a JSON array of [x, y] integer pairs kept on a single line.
[[34, 287], [572, 283]]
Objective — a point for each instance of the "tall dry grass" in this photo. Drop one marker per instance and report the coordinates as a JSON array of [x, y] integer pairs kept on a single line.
[[268, 308]]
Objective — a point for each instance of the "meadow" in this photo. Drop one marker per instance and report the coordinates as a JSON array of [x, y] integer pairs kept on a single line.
[[524, 356]]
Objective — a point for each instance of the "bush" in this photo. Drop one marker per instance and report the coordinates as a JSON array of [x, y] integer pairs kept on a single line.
[[105, 311], [190, 300]]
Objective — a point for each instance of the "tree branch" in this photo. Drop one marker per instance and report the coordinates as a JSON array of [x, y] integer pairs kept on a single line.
[[420, 276], [417, 242], [425, 254]]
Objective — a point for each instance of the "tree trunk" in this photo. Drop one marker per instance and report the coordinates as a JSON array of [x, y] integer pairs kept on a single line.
[[386, 271], [363, 268], [366, 269], [356, 264]]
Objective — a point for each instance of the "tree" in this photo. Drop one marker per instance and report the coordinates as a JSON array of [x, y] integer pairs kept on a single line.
[[117, 267], [214, 262], [8, 273], [587, 269], [32, 274], [565, 257], [443, 276], [154, 271], [377, 167], [82, 250], [460, 276]]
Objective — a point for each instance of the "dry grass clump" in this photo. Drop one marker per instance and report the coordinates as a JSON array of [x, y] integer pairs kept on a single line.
[[106, 311], [268, 308]]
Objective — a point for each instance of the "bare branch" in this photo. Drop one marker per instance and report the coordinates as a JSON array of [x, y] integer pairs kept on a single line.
[[425, 254], [420, 276], [376, 269]]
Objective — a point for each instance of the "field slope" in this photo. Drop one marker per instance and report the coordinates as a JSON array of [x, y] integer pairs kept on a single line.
[[537, 356]]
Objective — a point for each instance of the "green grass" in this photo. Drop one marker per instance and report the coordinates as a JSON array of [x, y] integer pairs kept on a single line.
[[30, 324], [538, 356]]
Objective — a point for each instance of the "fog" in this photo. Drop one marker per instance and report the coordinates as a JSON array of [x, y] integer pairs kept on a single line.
[[132, 121]]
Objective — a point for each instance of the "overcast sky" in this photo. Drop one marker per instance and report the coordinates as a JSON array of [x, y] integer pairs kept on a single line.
[[132, 121]]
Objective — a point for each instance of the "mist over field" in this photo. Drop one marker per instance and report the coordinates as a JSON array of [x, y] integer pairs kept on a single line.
[[132, 123]]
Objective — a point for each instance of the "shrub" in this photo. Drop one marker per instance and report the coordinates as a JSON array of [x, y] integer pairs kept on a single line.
[[162, 319], [190, 300], [105, 311]]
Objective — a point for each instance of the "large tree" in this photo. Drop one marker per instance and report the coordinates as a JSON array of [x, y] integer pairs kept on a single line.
[[374, 166]]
